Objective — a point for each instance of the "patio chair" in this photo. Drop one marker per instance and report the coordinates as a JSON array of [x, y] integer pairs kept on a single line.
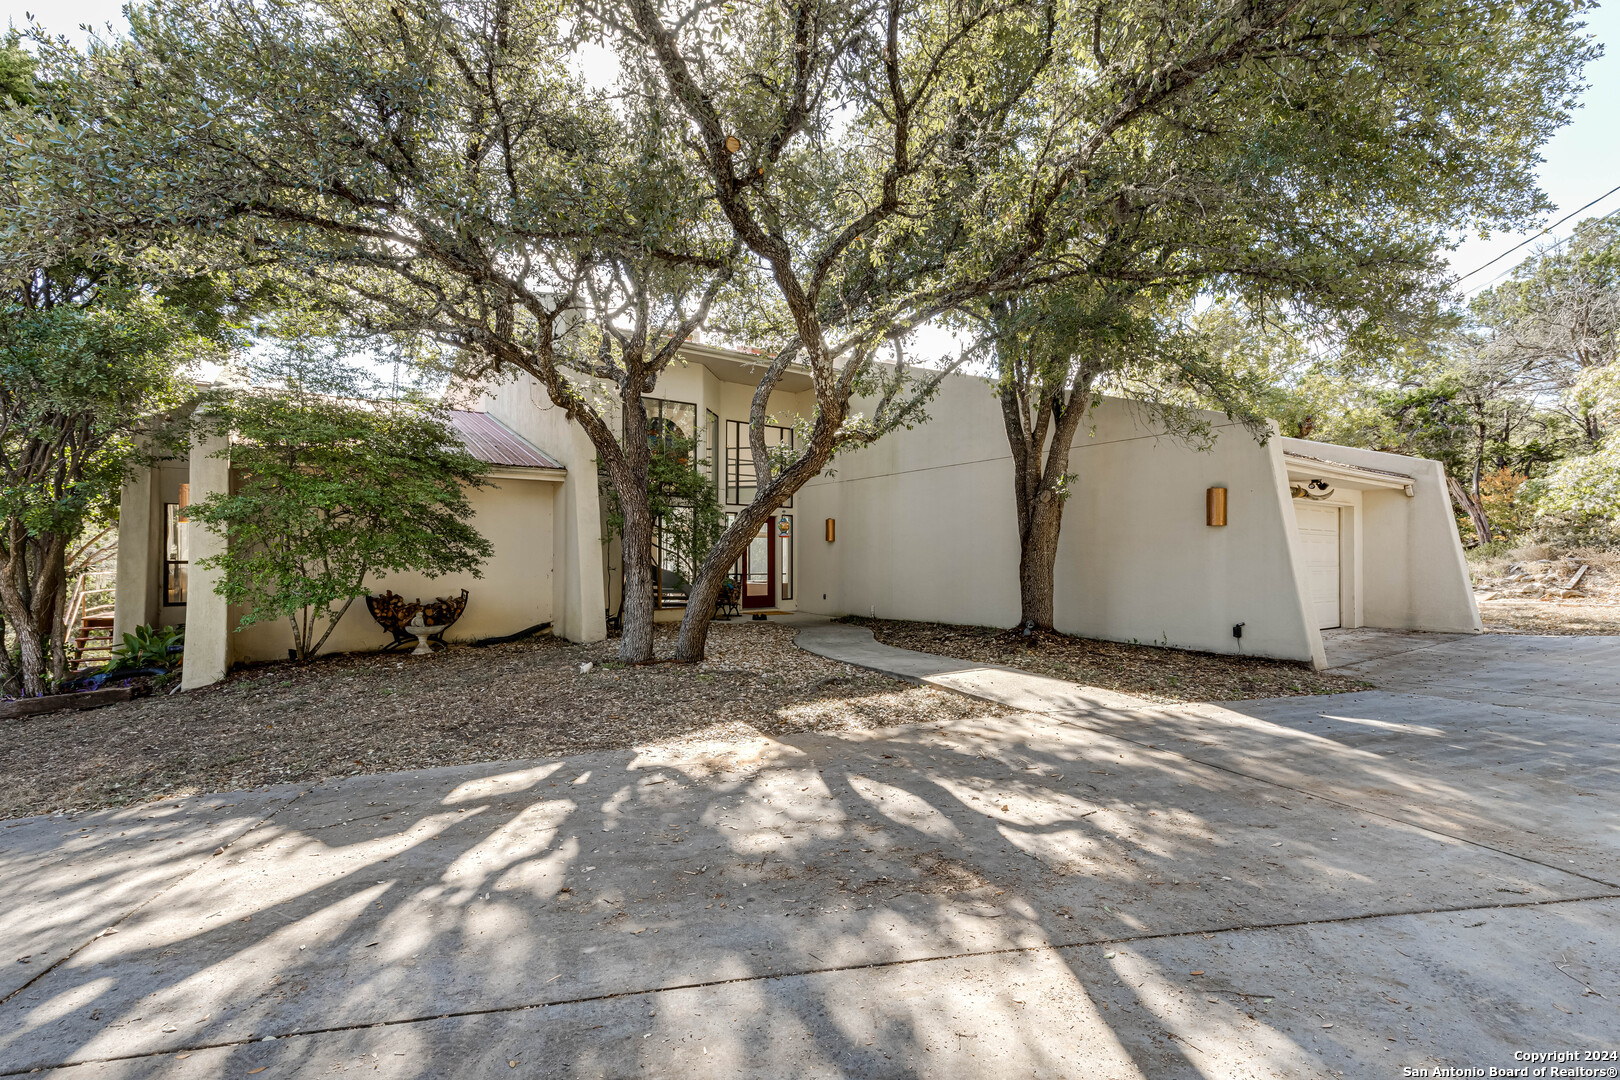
[[725, 605]]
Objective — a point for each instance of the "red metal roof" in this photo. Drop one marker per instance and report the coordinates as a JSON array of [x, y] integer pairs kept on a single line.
[[492, 442]]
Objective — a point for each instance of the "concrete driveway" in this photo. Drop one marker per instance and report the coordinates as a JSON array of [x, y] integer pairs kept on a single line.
[[1424, 874]]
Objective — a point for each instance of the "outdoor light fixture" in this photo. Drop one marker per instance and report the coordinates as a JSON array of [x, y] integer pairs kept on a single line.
[[1215, 506], [830, 529], [1315, 489]]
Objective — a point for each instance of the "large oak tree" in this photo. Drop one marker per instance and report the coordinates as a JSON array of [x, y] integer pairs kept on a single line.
[[1308, 159]]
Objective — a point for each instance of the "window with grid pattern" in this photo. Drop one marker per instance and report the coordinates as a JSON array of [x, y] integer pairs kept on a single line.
[[670, 418], [741, 483]]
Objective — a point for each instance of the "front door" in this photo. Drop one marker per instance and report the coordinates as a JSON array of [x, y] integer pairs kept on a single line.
[[759, 568]]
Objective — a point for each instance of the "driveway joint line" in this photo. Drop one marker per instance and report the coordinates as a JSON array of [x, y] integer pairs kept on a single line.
[[776, 976], [1400, 652], [120, 920], [1335, 801]]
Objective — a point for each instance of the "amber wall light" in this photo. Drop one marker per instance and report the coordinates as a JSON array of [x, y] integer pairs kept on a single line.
[[831, 529], [1215, 506]]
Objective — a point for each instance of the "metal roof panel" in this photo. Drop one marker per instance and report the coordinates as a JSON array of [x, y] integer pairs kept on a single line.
[[493, 443]]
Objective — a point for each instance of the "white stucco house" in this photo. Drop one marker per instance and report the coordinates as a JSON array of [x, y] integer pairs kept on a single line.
[[918, 526]]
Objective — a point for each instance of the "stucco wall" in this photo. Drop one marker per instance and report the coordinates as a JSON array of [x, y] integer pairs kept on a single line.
[[515, 591], [1139, 563], [926, 529], [1414, 575], [578, 602]]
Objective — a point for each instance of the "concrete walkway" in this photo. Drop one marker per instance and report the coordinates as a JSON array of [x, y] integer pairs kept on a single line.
[[1090, 887]]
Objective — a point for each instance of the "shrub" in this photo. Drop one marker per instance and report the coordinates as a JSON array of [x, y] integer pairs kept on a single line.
[[335, 485]]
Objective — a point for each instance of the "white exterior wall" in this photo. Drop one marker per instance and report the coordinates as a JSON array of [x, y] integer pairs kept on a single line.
[[207, 618], [1138, 563], [927, 529], [515, 592], [140, 551], [1413, 573], [579, 604], [926, 526]]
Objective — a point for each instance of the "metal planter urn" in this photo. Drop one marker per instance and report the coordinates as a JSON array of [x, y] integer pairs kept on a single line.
[[415, 623]]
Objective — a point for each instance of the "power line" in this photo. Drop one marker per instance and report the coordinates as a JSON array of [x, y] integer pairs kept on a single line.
[[1548, 250], [1537, 236]]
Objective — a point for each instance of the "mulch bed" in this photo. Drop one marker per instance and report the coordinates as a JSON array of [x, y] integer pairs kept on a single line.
[[371, 712], [1148, 672]]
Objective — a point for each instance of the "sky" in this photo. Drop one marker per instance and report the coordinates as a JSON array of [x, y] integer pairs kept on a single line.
[[1582, 161]]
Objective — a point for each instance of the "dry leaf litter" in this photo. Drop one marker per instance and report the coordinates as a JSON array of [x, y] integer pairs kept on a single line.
[[1153, 673], [377, 712]]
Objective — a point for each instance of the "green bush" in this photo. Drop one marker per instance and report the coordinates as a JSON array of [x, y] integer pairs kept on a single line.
[[1580, 506], [147, 647]]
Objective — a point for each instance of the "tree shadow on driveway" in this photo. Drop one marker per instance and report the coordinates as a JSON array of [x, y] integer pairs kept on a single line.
[[1004, 896]]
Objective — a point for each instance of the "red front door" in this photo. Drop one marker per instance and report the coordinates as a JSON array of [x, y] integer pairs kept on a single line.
[[759, 568]]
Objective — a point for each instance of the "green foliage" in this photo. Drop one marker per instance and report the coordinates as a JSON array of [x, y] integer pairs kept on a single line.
[[1579, 503], [76, 384], [146, 647], [1555, 324], [335, 483], [681, 497], [16, 72], [1520, 407]]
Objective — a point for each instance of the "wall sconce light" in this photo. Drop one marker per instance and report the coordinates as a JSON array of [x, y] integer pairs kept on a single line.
[[1215, 506], [831, 529]]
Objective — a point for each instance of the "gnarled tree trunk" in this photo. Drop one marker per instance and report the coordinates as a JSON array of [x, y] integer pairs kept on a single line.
[[1041, 434], [629, 473], [1468, 505], [771, 493], [31, 581]]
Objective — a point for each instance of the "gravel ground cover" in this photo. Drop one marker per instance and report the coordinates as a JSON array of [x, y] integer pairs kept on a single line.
[[1529, 590], [1148, 672], [371, 712], [1519, 616]]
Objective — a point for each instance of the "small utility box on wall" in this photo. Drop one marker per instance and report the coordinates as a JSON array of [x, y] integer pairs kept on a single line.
[[831, 530], [1215, 506]]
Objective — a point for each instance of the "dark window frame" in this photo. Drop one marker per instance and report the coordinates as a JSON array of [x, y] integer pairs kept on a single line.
[[740, 460], [172, 520], [711, 432], [661, 411]]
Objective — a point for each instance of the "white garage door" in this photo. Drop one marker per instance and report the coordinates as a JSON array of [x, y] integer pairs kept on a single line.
[[1319, 543]]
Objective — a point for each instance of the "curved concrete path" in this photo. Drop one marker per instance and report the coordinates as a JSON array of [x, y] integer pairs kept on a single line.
[[1309, 887], [1002, 685]]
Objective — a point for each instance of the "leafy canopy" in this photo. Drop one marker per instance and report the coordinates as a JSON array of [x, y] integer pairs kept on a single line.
[[76, 386], [336, 484]]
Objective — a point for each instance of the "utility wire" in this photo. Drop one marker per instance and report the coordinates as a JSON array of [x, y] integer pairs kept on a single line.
[[1548, 250], [1538, 235]]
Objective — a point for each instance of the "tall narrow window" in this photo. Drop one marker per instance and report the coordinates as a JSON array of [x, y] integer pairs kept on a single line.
[[740, 479], [673, 588], [784, 560], [711, 434], [176, 551], [667, 422]]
